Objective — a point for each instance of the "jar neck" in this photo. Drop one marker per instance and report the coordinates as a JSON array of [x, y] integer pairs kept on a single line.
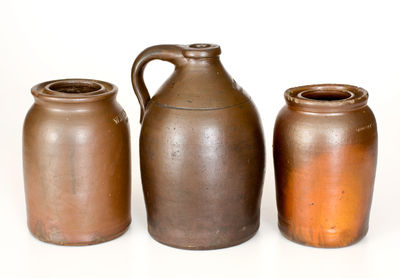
[[326, 98]]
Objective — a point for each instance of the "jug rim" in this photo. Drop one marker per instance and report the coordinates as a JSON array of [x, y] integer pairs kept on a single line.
[[201, 50]]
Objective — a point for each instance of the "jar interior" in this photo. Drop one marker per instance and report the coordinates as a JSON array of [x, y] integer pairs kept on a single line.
[[75, 87], [326, 95]]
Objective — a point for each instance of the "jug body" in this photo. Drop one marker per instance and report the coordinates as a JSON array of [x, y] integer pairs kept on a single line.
[[325, 151], [76, 154], [201, 154]]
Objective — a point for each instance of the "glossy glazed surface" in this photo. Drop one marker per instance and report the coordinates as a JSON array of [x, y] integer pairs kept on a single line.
[[325, 150], [201, 151], [76, 152]]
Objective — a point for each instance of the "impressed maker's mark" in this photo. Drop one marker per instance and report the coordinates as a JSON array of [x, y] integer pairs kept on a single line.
[[120, 117], [364, 127]]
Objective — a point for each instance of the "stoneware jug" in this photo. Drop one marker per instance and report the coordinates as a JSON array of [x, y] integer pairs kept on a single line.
[[76, 154], [325, 150], [201, 151]]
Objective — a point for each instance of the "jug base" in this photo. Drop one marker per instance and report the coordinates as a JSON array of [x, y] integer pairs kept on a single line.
[[211, 246]]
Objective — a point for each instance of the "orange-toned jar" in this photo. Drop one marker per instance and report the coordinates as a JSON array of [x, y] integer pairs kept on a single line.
[[325, 151]]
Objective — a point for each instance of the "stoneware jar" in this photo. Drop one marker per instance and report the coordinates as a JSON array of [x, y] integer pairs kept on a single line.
[[201, 151], [325, 150], [76, 154]]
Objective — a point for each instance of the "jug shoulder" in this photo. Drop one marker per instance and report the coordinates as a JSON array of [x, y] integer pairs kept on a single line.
[[197, 87]]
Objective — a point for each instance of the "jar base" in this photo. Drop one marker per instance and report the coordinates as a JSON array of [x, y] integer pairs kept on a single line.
[[285, 231], [205, 247], [98, 240]]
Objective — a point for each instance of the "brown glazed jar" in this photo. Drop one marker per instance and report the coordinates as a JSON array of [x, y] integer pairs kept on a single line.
[[76, 154], [201, 151], [325, 150]]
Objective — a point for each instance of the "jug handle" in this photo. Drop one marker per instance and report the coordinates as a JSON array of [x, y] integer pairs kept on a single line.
[[166, 52]]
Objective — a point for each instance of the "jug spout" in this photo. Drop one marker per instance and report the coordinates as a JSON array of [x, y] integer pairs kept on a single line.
[[201, 50]]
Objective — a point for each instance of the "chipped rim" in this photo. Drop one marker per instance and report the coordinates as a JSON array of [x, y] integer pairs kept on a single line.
[[326, 97]]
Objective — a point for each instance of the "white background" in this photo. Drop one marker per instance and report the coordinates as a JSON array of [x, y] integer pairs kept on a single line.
[[267, 46]]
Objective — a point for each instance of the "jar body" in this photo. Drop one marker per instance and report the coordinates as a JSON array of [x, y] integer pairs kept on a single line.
[[202, 175], [77, 171], [324, 169]]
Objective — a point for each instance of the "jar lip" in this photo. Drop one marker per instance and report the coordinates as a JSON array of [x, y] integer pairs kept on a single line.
[[326, 97], [74, 90]]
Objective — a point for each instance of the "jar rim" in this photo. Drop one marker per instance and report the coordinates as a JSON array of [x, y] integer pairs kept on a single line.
[[74, 90], [326, 97]]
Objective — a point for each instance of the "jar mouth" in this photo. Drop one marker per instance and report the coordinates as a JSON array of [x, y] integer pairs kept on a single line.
[[74, 90], [73, 87], [201, 50], [326, 97]]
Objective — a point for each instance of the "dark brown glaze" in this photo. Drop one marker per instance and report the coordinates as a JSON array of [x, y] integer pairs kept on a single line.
[[325, 151], [76, 154], [201, 151]]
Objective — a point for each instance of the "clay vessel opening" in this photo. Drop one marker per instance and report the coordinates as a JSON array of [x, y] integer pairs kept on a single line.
[[75, 87], [326, 95], [74, 90], [326, 98], [201, 50], [200, 45]]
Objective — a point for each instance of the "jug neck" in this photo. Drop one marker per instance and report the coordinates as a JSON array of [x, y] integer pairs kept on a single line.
[[200, 50], [208, 62], [200, 54]]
